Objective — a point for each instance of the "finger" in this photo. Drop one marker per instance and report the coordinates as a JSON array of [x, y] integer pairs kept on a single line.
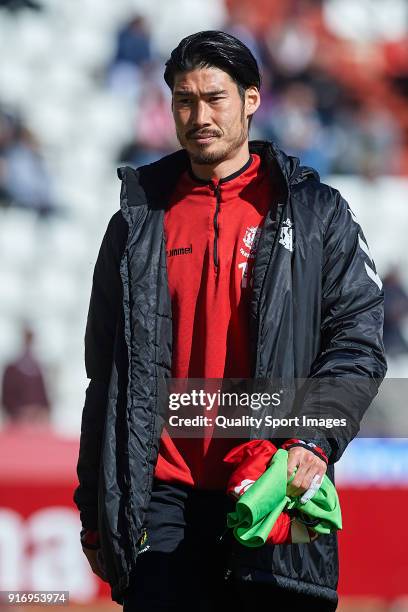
[[304, 460], [295, 487], [293, 462], [310, 466], [310, 475]]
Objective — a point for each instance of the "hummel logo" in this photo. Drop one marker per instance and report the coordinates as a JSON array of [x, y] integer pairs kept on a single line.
[[145, 549], [371, 272], [180, 251]]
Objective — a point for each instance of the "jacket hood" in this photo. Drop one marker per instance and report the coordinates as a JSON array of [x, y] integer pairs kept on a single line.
[[289, 165]]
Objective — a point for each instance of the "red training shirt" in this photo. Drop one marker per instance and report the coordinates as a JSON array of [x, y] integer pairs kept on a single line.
[[212, 229]]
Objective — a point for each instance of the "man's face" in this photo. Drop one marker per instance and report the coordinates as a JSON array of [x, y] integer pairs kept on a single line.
[[209, 114]]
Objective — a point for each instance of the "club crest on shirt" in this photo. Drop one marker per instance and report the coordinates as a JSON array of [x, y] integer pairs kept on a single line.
[[248, 250], [286, 235], [250, 240]]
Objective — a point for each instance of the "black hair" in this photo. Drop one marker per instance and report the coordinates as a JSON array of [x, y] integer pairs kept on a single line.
[[213, 48]]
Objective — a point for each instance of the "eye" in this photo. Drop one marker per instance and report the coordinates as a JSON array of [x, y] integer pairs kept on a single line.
[[216, 98]]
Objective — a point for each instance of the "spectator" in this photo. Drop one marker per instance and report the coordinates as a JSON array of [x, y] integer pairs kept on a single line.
[[133, 46], [7, 132], [155, 135], [133, 51], [24, 180], [24, 395], [292, 47], [298, 127], [396, 311]]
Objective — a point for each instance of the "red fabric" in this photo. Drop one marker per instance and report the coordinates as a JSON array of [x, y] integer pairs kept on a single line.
[[251, 459], [90, 538], [210, 304], [281, 531]]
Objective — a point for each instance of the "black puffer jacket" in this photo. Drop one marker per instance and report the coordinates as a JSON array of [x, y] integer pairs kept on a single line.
[[316, 310]]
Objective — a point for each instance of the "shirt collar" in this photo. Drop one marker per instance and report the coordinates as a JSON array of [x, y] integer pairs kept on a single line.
[[225, 179]]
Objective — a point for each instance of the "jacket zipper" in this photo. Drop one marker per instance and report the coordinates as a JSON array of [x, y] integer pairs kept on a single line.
[[217, 193]]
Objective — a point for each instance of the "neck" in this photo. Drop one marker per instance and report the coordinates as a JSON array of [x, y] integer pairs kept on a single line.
[[222, 168]]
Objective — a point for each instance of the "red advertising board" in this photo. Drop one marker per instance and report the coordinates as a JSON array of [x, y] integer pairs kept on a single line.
[[39, 525]]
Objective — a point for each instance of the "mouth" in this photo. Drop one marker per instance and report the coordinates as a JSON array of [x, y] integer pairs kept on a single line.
[[204, 139]]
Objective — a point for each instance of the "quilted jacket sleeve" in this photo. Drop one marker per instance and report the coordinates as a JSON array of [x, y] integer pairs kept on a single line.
[[105, 303], [351, 363]]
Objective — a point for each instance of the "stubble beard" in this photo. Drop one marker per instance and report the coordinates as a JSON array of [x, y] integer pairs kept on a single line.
[[207, 158]]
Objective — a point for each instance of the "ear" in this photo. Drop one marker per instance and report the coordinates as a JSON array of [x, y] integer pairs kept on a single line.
[[252, 100]]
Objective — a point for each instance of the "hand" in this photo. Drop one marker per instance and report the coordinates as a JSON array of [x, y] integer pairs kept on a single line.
[[92, 556], [308, 465]]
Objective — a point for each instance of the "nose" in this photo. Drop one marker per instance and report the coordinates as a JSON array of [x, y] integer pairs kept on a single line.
[[200, 117]]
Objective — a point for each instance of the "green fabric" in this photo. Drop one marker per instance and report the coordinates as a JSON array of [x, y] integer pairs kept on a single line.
[[257, 510]]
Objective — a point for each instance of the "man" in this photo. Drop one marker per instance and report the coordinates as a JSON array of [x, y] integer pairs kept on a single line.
[[227, 259], [24, 393]]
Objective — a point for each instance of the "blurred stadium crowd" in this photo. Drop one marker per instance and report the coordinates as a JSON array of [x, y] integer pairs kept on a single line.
[[82, 91]]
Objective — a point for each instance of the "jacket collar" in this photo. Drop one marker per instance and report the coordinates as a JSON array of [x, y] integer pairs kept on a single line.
[[153, 184]]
